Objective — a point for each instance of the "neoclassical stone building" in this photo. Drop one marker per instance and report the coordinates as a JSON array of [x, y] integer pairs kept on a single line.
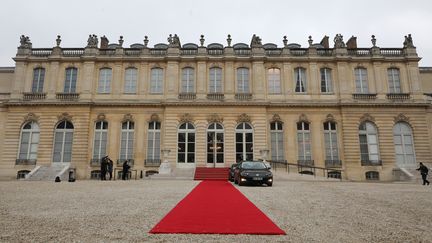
[[365, 111]]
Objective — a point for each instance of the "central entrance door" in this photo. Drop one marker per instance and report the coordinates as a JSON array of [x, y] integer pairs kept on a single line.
[[215, 145]]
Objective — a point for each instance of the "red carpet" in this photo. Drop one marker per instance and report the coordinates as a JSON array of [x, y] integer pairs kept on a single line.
[[216, 207]]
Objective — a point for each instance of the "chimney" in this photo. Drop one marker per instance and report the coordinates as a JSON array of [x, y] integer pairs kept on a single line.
[[104, 42], [352, 43], [324, 42]]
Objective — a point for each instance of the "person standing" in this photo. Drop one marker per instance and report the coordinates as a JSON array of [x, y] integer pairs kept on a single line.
[[110, 167], [424, 172], [125, 170], [103, 168]]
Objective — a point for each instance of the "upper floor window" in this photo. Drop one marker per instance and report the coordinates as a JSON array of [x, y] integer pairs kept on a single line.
[[215, 80], [300, 78], [274, 81], [70, 80], [361, 80], [131, 76], [243, 80], [394, 80], [188, 80], [156, 82], [105, 76], [326, 81], [38, 80]]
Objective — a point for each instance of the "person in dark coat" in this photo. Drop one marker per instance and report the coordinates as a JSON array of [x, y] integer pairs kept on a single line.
[[109, 167], [424, 172], [103, 168], [125, 170]]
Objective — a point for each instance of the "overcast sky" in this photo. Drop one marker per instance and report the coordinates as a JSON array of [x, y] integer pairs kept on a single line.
[[74, 20]]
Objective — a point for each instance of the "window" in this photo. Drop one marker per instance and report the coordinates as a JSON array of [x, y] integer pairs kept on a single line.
[[304, 141], [361, 80], [372, 175], [100, 139], [105, 76], [215, 77], [368, 138], [70, 80], [330, 140], [394, 80], [244, 142], [29, 141], [326, 81], [276, 137], [21, 174], [127, 140], [95, 174], [63, 142], [300, 78], [274, 81], [38, 80], [215, 143], [404, 145], [156, 82], [242, 80], [188, 80], [186, 143], [131, 76], [153, 141]]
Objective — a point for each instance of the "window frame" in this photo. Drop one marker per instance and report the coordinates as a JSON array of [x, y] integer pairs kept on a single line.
[[105, 80], [38, 80], [300, 78], [274, 81], [156, 80], [130, 80]]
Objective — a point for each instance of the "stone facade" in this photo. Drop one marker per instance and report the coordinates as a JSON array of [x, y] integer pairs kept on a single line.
[[252, 96]]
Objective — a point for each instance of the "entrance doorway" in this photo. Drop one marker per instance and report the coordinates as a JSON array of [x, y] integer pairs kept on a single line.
[[215, 145]]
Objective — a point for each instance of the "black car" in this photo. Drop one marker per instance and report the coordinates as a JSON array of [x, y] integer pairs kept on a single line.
[[231, 171], [256, 172]]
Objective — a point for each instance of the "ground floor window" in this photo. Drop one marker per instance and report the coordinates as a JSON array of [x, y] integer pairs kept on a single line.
[[215, 143], [372, 175], [186, 143], [95, 175], [22, 173]]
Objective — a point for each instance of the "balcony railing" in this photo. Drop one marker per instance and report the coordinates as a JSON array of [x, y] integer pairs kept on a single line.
[[299, 51], [359, 52], [152, 162], [305, 162], [158, 52], [365, 96], [392, 52], [273, 52], [215, 96], [121, 161], [215, 52], [333, 163], [243, 96], [41, 52], [132, 52], [67, 96], [325, 52], [34, 96], [187, 96], [398, 96], [72, 52], [242, 52], [371, 162], [95, 162], [25, 161], [189, 52], [107, 52]]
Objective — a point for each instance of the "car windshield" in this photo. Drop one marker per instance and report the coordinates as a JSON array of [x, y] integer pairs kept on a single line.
[[253, 165]]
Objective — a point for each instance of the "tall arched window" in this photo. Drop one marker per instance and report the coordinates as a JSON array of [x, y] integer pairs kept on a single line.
[[404, 145], [330, 141], [215, 143], [304, 142], [361, 80], [368, 137], [156, 81], [100, 139], [300, 79], [243, 80], [38, 80], [326, 81], [63, 139], [29, 141], [105, 77], [277, 141], [186, 143], [215, 80], [188, 80], [153, 142], [70, 80], [274, 80], [244, 142], [394, 80], [127, 140], [131, 76]]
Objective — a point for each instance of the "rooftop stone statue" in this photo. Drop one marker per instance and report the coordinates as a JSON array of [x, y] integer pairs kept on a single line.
[[338, 41], [256, 42], [25, 42]]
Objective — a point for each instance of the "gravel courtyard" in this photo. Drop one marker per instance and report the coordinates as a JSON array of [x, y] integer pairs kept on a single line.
[[124, 211]]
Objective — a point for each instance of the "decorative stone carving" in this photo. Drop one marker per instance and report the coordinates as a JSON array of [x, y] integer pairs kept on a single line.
[[154, 118], [229, 40], [373, 40], [256, 42], [64, 117], [101, 117], [31, 117], [303, 118], [408, 43], [330, 118], [202, 40], [25, 42], [338, 41], [401, 118], [58, 40], [92, 41], [243, 118], [276, 118], [367, 117], [121, 41], [146, 41], [214, 118], [127, 117], [310, 41], [186, 118], [174, 41]]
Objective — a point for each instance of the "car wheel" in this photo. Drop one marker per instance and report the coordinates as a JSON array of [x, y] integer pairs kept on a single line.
[[269, 183], [235, 181]]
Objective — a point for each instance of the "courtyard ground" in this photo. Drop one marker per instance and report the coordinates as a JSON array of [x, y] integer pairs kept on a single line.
[[124, 211]]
